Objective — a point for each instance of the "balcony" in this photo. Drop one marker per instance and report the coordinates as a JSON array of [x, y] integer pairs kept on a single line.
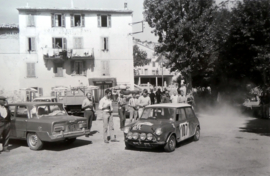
[[81, 54], [55, 55]]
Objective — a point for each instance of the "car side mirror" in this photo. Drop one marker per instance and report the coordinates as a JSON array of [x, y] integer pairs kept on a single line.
[[177, 117]]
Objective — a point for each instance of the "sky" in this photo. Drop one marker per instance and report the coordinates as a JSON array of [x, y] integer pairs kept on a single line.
[[9, 12]]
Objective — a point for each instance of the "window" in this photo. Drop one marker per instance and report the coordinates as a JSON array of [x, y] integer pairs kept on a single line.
[[77, 20], [189, 113], [22, 112], [58, 70], [31, 44], [153, 64], [12, 110], [105, 44], [104, 21], [59, 43], [146, 71], [31, 21], [153, 72], [78, 43], [78, 68], [180, 114], [105, 68], [156, 72], [31, 72], [58, 20]]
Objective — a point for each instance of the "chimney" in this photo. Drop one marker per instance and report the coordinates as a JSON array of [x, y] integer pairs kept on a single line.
[[125, 6]]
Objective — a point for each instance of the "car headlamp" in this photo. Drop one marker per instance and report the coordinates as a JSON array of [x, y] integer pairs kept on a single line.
[[129, 135], [135, 135], [158, 131], [149, 136], [143, 136], [126, 130]]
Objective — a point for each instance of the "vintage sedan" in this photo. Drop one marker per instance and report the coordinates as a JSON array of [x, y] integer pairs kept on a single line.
[[163, 125], [39, 122]]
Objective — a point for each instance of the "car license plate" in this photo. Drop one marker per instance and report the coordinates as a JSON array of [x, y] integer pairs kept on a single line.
[[136, 143], [72, 127]]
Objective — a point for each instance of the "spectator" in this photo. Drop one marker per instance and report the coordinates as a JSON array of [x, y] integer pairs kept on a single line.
[[133, 104], [122, 110], [144, 100], [166, 97], [158, 96], [152, 97], [174, 97], [88, 106], [182, 98]]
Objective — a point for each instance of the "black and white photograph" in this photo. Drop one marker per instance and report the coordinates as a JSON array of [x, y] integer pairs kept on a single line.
[[135, 87]]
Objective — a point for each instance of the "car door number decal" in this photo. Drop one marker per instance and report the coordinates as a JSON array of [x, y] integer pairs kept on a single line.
[[184, 130]]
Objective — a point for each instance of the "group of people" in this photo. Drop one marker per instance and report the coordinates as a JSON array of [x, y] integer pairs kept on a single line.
[[134, 105]]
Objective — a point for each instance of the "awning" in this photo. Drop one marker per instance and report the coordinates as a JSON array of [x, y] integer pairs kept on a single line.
[[100, 81]]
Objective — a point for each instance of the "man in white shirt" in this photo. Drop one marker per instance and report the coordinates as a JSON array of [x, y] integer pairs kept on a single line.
[[4, 124], [174, 97], [105, 104], [144, 100], [182, 98], [133, 104]]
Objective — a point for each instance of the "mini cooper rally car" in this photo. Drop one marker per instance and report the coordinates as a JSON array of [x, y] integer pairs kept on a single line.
[[163, 125]]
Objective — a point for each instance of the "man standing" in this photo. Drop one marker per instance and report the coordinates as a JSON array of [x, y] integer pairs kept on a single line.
[[158, 95], [174, 97], [166, 97], [144, 100], [133, 104], [105, 104], [122, 110], [152, 97], [182, 98], [88, 106], [4, 124]]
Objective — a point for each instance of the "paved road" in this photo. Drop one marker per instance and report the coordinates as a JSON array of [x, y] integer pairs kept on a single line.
[[230, 144]]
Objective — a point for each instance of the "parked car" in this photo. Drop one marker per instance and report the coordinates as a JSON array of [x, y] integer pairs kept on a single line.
[[45, 99], [39, 122], [163, 125]]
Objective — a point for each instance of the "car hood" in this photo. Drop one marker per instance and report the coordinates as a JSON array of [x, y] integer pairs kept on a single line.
[[60, 118], [149, 125]]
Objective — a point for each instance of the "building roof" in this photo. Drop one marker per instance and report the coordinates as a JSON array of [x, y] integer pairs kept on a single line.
[[39, 9], [9, 26]]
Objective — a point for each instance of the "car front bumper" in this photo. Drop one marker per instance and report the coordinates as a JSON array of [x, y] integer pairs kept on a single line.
[[45, 136], [145, 144]]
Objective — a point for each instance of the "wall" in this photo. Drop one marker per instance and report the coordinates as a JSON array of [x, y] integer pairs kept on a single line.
[[119, 54]]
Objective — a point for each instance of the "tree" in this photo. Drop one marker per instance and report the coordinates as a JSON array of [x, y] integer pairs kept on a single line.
[[139, 57], [184, 28], [245, 55]]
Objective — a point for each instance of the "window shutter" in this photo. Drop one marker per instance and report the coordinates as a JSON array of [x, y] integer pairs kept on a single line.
[[71, 20], [28, 71], [83, 22], [102, 44], [99, 20], [63, 20], [64, 41], [53, 20], [53, 42], [109, 21], [108, 68], [33, 44], [32, 20], [29, 20], [107, 43], [33, 70]]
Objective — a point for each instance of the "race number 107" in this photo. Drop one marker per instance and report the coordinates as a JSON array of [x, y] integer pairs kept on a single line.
[[184, 130]]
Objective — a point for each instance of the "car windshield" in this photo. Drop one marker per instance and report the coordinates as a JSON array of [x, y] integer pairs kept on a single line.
[[158, 113], [48, 110]]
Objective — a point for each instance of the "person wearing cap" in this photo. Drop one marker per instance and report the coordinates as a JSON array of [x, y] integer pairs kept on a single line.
[[105, 104], [4, 124], [88, 105], [144, 100]]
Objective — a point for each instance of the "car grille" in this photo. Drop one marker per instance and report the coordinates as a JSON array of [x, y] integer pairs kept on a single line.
[[73, 127]]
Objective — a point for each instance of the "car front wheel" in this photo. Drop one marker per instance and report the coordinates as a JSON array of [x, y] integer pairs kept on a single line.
[[170, 146], [33, 141], [197, 134]]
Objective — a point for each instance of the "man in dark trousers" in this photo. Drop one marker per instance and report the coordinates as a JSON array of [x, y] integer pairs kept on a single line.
[[152, 97], [4, 124], [88, 106]]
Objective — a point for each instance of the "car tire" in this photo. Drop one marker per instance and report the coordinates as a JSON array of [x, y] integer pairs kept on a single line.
[[197, 134], [128, 146], [70, 141], [33, 141], [171, 144]]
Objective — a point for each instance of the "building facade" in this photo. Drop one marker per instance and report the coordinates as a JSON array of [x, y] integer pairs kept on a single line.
[[154, 72], [73, 47]]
